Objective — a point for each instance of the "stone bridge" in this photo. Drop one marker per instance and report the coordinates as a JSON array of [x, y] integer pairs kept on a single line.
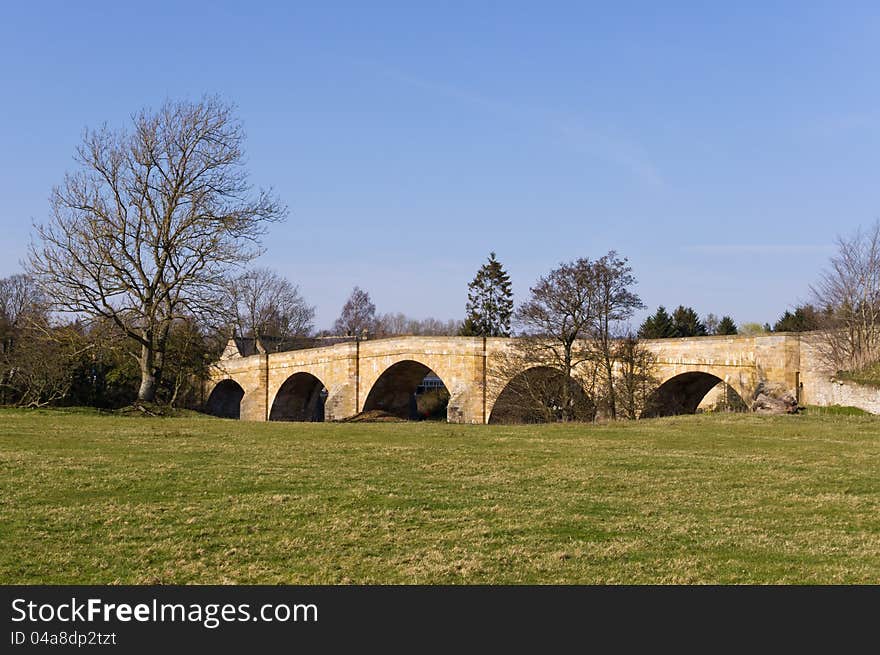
[[339, 381]]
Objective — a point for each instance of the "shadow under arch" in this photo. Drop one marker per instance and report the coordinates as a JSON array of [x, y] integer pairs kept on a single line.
[[683, 393], [535, 396], [225, 400], [400, 390], [300, 398]]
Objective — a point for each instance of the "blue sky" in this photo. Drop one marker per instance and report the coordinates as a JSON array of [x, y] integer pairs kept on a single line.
[[720, 148]]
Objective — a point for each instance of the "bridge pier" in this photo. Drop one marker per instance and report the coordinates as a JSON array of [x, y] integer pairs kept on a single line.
[[341, 403]]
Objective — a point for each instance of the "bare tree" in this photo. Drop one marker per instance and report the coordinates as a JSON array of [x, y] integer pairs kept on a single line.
[[358, 316], [145, 232], [849, 292], [535, 392], [267, 305], [389, 325], [570, 325], [711, 322], [435, 327], [614, 303], [38, 360], [190, 353], [40, 370], [23, 357], [21, 303], [634, 379], [751, 329], [561, 310]]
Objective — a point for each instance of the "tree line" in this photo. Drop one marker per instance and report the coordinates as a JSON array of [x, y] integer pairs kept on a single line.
[[141, 274]]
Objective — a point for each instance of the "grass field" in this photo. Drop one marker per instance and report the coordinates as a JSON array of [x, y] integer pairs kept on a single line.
[[86, 498]]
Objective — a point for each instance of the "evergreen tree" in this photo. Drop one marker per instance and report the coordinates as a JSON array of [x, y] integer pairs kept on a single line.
[[490, 301], [726, 326], [804, 319], [469, 329], [687, 323], [658, 326]]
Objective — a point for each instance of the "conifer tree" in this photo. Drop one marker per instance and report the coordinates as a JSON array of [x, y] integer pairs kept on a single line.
[[726, 326], [687, 323], [804, 319], [468, 328], [490, 302], [658, 326]]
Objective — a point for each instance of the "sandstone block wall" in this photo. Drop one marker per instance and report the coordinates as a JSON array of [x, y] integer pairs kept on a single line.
[[821, 387], [251, 374], [467, 367]]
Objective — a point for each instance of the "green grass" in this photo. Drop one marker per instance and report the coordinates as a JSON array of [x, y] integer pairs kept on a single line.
[[834, 410], [90, 498], [869, 376]]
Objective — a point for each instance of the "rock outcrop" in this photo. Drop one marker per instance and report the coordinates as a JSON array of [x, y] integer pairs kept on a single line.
[[773, 399]]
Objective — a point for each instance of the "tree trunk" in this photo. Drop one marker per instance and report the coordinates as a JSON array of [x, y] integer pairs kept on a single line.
[[609, 363], [177, 384], [566, 386], [609, 380], [159, 352], [147, 391]]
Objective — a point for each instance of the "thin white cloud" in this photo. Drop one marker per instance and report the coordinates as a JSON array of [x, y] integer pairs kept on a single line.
[[834, 125], [758, 249], [615, 149], [618, 150], [452, 92]]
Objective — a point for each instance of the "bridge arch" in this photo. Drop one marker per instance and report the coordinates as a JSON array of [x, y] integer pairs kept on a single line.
[[473, 371], [301, 397], [534, 396], [396, 389], [682, 394], [225, 399]]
